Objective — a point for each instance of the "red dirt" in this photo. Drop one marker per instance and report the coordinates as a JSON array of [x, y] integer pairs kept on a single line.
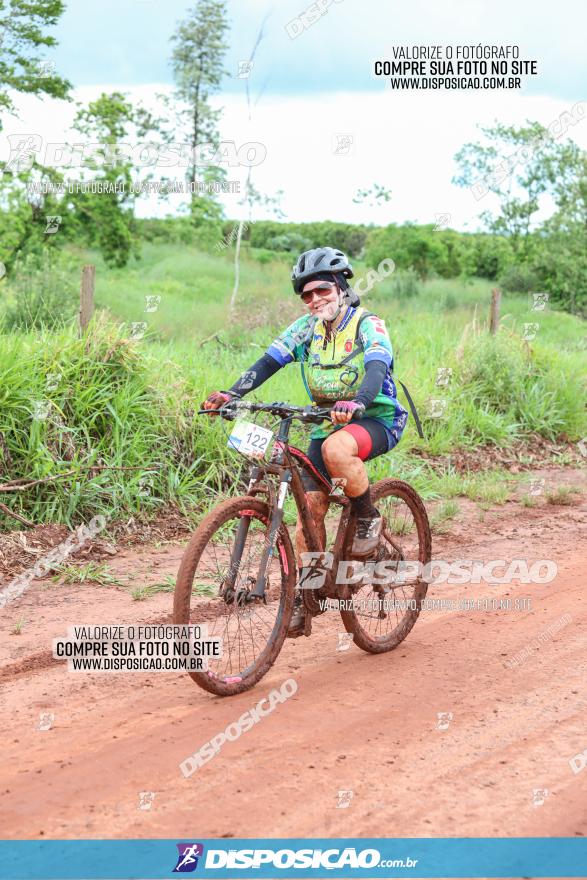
[[357, 722]]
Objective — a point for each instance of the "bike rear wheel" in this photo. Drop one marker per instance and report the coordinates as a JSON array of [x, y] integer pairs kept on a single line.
[[383, 615], [213, 582]]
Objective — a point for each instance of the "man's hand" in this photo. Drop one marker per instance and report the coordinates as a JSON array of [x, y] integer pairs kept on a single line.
[[217, 399], [344, 410]]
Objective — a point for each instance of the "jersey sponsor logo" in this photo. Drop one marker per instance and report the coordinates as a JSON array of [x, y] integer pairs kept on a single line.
[[377, 348], [349, 376], [348, 346]]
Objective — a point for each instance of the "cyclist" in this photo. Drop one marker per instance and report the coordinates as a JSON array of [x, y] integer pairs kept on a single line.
[[347, 363]]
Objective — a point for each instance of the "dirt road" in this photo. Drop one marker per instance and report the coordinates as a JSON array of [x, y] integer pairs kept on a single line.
[[366, 726]]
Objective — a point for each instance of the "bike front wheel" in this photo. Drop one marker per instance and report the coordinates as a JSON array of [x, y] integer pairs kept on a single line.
[[218, 572]]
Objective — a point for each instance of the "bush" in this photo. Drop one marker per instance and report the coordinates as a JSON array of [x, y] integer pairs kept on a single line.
[[443, 252], [409, 246], [405, 284], [519, 278], [45, 293], [262, 256], [290, 241], [303, 236], [166, 229], [485, 256], [561, 267], [501, 376], [68, 403]]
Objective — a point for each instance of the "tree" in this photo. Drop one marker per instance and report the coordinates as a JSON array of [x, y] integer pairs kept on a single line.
[[23, 25], [560, 257], [519, 165], [24, 212], [375, 196], [22, 34], [197, 60], [106, 217], [516, 165]]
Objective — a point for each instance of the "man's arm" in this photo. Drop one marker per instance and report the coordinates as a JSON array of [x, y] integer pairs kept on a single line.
[[375, 372], [284, 350], [258, 373], [378, 356]]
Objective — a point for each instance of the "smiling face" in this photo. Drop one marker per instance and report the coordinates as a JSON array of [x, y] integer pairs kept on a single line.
[[321, 299]]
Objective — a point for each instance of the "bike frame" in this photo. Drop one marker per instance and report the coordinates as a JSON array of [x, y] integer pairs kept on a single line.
[[286, 463]]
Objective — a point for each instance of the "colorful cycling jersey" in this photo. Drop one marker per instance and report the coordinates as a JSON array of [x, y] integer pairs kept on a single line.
[[334, 370]]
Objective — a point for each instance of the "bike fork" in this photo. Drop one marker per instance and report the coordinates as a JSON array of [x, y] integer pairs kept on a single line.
[[269, 549], [239, 540]]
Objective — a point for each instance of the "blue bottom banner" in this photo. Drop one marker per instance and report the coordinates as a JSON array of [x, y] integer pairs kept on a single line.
[[296, 857]]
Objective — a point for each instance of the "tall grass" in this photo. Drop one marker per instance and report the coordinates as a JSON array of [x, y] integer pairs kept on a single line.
[[68, 404], [128, 404]]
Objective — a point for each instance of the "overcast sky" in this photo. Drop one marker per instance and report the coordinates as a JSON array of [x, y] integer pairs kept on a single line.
[[309, 91]]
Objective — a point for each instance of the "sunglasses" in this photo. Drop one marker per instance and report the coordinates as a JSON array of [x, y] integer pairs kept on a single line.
[[322, 290]]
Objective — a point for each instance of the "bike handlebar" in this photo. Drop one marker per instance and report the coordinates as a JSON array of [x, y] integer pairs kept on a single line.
[[311, 414]]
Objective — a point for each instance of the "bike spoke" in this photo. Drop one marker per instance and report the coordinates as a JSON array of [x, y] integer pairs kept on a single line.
[[381, 612], [245, 629]]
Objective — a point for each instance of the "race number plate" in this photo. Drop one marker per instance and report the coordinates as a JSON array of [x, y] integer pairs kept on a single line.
[[250, 439]]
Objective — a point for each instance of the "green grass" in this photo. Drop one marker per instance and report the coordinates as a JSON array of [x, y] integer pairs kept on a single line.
[[147, 591], [489, 487], [167, 585], [129, 404], [205, 589], [95, 572], [441, 518], [564, 496]]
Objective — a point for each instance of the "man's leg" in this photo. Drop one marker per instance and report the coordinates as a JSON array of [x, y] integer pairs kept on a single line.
[[344, 453], [341, 456], [318, 504]]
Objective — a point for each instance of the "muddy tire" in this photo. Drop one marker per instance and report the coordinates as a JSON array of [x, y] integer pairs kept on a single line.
[[252, 634]]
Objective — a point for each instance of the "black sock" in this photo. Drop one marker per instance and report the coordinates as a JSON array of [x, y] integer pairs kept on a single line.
[[362, 505]]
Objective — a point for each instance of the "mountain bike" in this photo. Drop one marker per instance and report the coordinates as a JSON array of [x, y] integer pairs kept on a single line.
[[238, 573]]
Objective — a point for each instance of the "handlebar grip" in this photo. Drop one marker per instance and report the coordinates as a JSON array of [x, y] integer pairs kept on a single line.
[[221, 411]]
